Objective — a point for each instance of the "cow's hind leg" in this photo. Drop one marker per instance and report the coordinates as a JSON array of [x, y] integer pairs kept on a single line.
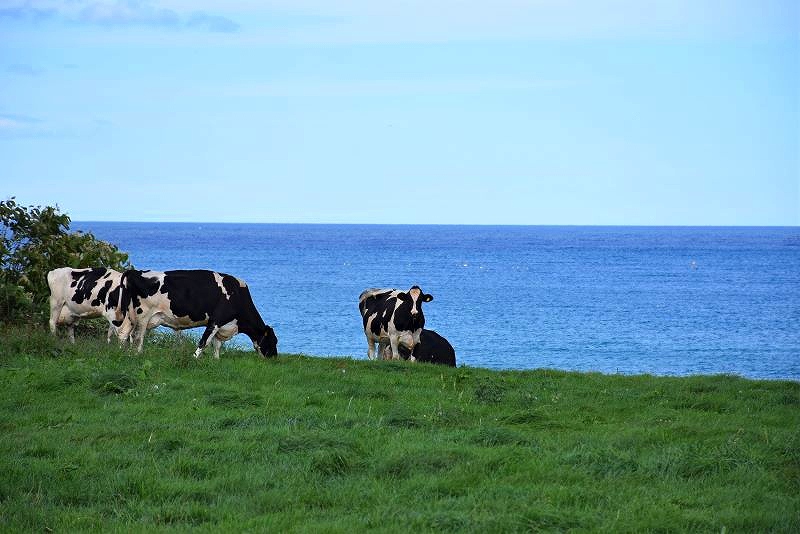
[[371, 347], [55, 312], [139, 330], [393, 342]]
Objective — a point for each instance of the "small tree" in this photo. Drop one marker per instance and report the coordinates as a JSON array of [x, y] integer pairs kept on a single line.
[[34, 240]]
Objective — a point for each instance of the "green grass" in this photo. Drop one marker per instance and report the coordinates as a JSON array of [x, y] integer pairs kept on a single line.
[[95, 438]]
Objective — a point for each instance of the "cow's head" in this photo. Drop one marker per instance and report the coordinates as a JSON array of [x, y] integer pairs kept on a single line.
[[417, 298], [267, 346]]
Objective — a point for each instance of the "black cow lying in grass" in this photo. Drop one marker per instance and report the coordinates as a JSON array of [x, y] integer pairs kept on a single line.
[[432, 348]]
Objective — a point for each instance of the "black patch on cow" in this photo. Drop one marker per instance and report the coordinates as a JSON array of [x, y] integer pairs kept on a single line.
[[137, 286], [384, 310], [113, 297], [102, 294], [403, 320], [370, 302], [144, 285], [193, 294], [84, 283]]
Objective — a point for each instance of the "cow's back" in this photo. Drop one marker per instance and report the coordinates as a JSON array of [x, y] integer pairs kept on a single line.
[[370, 299], [83, 288], [186, 298]]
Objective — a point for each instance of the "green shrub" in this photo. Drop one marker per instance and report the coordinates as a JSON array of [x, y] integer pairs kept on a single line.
[[33, 241]]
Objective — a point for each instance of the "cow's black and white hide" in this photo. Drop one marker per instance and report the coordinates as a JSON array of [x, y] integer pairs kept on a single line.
[[86, 294], [191, 298], [432, 348], [392, 316]]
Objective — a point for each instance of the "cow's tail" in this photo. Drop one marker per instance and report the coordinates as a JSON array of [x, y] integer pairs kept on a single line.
[[123, 302]]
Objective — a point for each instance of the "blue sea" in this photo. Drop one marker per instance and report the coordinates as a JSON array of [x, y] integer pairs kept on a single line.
[[631, 300]]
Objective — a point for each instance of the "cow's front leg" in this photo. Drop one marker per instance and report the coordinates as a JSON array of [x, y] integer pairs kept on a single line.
[[71, 332], [210, 332], [409, 342]]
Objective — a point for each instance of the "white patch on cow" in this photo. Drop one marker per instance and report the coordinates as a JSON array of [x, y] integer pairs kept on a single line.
[[414, 293], [218, 278]]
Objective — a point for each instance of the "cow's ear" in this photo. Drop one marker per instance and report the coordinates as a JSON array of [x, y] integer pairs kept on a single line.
[[427, 298]]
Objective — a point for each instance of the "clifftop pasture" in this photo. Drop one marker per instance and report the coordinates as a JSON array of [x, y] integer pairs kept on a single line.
[[93, 437]]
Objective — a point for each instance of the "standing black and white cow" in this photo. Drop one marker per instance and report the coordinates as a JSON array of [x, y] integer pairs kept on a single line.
[[432, 348], [85, 294], [393, 316], [188, 299]]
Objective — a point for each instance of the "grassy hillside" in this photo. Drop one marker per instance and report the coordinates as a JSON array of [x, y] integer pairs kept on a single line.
[[95, 438]]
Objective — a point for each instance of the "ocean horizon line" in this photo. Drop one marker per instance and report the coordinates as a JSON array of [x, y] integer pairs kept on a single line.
[[485, 225]]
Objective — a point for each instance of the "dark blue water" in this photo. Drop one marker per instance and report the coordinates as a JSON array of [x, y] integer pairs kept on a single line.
[[667, 301]]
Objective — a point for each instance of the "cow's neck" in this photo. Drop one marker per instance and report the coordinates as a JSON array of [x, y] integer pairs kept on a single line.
[[253, 328]]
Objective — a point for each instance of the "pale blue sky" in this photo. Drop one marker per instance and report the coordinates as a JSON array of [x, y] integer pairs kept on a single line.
[[508, 112]]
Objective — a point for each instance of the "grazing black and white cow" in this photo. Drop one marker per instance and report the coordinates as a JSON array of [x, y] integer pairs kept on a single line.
[[187, 299], [432, 348], [86, 294], [392, 316]]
